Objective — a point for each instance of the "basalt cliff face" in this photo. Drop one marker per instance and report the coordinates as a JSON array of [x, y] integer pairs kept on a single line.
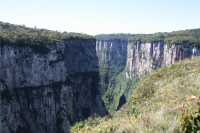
[[136, 60], [49, 92], [142, 57], [112, 53], [146, 57], [112, 61]]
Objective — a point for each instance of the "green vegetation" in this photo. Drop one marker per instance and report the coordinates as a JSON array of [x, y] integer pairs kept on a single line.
[[113, 80], [106, 73], [118, 36], [94, 120], [16, 35], [190, 120], [177, 37], [119, 86], [156, 102], [112, 84]]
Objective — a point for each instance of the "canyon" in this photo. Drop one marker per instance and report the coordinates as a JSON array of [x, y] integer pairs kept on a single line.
[[133, 60], [51, 80], [49, 92]]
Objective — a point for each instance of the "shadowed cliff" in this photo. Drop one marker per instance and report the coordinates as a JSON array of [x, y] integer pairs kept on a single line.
[[49, 86]]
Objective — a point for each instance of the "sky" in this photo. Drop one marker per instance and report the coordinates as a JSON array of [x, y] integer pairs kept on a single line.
[[103, 16]]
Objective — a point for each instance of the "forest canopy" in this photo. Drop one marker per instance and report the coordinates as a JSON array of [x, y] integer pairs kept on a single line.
[[118, 36], [17, 35], [176, 37]]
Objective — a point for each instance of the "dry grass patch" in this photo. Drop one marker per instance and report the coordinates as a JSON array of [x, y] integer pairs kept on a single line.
[[156, 101]]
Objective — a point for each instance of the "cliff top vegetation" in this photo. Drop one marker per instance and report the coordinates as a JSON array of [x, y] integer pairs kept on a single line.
[[176, 37], [118, 36], [17, 35], [156, 103]]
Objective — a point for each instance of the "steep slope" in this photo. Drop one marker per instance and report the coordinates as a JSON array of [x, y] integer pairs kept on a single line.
[[112, 60], [156, 102], [146, 57], [143, 54], [47, 87]]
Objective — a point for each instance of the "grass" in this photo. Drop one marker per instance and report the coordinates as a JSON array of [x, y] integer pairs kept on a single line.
[[156, 102]]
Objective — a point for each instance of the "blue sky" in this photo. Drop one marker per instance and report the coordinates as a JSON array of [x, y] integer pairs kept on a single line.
[[103, 16]]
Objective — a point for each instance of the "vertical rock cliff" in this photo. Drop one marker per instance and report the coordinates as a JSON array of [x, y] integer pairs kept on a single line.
[[112, 53], [135, 59], [146, 57], [48, 92], [112, 61]]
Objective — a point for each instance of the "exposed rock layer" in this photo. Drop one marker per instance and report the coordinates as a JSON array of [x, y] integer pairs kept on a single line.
[[113, 53], [137, 59], [146, 57], [141, 57], [49, 92]]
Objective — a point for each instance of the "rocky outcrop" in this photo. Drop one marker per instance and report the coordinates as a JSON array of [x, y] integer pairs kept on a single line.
[[146, 57], [113, 52], [142, 57], [49, 92], [135, 59]]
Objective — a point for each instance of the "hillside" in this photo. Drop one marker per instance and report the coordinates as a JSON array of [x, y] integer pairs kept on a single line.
[[155, 104], [124, 58]]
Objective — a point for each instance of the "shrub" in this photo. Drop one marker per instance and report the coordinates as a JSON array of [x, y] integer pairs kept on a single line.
[[190, 120]]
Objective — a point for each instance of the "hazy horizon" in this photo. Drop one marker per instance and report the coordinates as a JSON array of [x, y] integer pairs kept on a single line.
[[103, 17]]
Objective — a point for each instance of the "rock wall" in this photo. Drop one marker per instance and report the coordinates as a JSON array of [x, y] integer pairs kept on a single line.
[[146, 57], [49, 92], [135, 60], [113, 52]]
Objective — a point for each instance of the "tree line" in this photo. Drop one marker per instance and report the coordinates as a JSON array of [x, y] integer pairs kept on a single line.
[[17, 35], [191, 36]]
